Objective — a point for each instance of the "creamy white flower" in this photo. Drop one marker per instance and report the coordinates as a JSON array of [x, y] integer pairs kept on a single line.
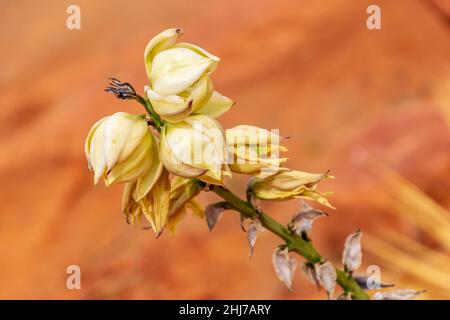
[[195, 148], [119, 148], [179, 76], [289, 184], [252, 150]]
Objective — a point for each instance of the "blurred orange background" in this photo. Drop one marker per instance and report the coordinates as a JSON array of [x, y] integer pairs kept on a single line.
[[373, 106]]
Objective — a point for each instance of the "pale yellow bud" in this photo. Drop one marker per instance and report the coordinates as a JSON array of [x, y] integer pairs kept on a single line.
[[119, 148], [179, 78], [252, 150], [289, 184], [195, 148]]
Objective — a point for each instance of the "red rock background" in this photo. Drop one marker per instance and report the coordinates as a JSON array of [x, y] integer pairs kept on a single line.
[[353, 100]]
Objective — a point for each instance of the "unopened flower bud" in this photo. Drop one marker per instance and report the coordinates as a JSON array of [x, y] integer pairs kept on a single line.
[[252, 149], [289, 184]]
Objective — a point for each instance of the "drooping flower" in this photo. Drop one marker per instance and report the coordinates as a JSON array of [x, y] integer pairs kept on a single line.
[[120, 148], [179, 77], [195, 148], [252, 150], [289, 184], [164, 206], [182, 193], [154, 205]]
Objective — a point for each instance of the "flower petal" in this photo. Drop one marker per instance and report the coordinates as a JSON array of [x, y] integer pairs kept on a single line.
[[175, 69], [202, 52], [97, 158], [87, 143], [173, 108], [201, 92], [216, 106], [148, 180], [162, 41], [122, 133], [135, 165], [173, 163]]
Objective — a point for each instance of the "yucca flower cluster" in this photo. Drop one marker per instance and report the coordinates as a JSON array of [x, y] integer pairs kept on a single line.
[[166, 157], [156, 165]]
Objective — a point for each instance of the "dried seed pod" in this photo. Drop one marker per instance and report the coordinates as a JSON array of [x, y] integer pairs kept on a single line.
[[252, 234], [352, 255], [284, 266], [326, 273], [310, 273], [213, 213], [302, 222], [400, 294]]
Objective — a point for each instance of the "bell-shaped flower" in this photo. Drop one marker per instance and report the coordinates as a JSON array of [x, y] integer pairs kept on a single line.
[[154, 205], [289, 184], [195, 148], [252, 150], [179, 78], [165, 205], [120, 148]]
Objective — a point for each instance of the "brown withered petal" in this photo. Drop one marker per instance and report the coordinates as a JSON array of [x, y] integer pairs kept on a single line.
[[252, 234], [213, 213], [303, 221], [400, 294], [352, 255], [284, 266], [327, 277]]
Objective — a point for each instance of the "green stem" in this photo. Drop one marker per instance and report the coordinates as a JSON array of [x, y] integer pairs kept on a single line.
[[294, 242], [158, 123]]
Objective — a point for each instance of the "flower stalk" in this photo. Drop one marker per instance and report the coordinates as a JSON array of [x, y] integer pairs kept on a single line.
[[294, 242], [156, 120]]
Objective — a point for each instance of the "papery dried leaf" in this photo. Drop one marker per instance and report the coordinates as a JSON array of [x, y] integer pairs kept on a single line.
[[284, 266], [302, 223], [213, 213], [252, 234], [326, 273], [352, 255], [400, 294], [366, 282], [310, 273]]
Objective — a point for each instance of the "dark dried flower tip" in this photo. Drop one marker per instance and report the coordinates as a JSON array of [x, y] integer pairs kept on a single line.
[[122, 90]]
